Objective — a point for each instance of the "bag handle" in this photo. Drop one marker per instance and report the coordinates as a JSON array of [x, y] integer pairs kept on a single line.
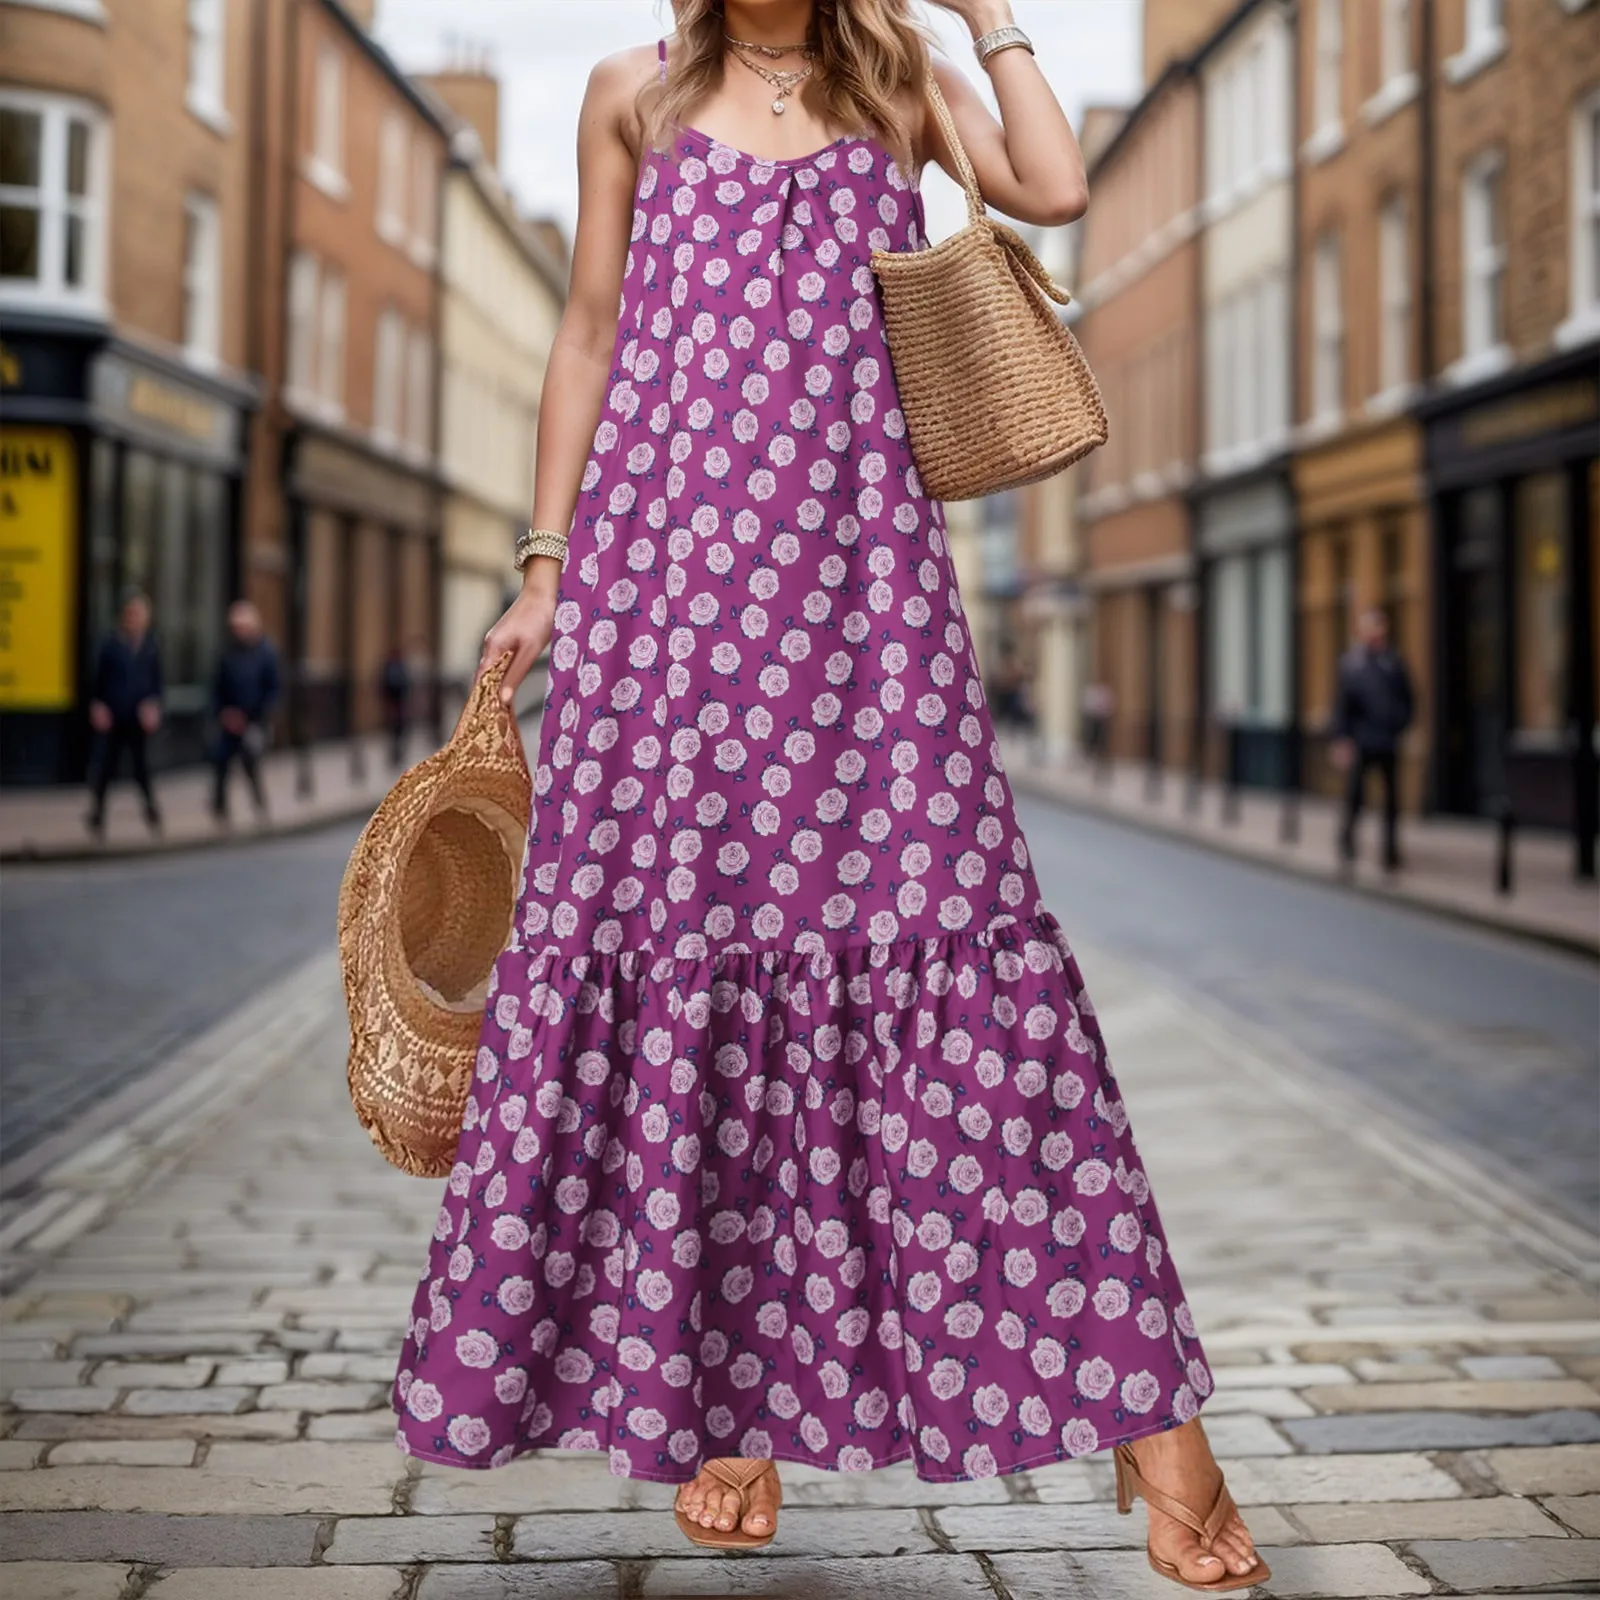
[[976, 215]]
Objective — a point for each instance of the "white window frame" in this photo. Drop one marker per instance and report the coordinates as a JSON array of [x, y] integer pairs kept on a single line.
[[206, 96], [50, 291], [393, 171], [1583, 295], [1327, 330], [1328, 79], [424, 195], [388, 378], [1394, 305], [202, 281], [332, 323], [1400, 81], [419, 395], [1483, 43], [300, 356], [1484, 350], [325, 163], [85, 10]]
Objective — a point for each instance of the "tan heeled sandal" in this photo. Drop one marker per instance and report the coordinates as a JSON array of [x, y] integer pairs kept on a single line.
[[1130, 1482], [741, 1476]]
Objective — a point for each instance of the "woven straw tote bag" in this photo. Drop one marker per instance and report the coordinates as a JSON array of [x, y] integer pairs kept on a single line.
[[425, 910], [994, 388]]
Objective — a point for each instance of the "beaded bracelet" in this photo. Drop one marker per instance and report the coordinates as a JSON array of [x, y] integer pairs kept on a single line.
[[539, 542], [1005, 38]]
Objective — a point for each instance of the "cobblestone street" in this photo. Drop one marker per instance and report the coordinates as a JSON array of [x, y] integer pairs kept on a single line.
[[204, 1306]]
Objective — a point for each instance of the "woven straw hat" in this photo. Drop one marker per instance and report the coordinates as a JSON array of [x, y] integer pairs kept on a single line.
[[425, 910]]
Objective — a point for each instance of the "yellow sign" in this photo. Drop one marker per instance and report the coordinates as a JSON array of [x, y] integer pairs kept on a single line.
[[38, 541]]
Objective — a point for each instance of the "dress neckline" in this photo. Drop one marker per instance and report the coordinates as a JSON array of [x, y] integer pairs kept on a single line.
[[770, 161]]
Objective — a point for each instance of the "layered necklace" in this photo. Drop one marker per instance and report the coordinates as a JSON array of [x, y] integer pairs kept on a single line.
[[784, 81]]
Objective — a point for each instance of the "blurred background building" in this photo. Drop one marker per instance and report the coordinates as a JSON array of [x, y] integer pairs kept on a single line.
[[272, 324], [272, 327], [1340, 280]]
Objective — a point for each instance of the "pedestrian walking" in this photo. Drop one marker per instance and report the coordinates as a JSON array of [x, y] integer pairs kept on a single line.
[[396, 687], [125, 707], [792, 1135], [244, 697], [1373, 707]]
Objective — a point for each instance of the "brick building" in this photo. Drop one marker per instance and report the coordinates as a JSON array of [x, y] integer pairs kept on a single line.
[[127, 262], [1512, 425], [1138, 323], [502, 296], [343, 548], [1362, 351], [1243, 502]]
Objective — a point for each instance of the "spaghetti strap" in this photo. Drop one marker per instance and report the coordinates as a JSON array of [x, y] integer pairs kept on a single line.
[[661, 54]]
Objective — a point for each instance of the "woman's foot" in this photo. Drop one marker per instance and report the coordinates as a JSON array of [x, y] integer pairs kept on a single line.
[[1178, 1463], [713, 1503]]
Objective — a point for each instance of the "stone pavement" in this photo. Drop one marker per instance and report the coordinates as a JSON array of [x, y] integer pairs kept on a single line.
[[203, 1308], [347, 779], [1450, 862]]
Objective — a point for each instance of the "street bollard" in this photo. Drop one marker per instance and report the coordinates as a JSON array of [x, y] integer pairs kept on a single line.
[[1505, 828]]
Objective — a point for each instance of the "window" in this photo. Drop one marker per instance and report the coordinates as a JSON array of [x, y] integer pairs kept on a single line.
[[1276, 336], [207, 59], [1330, 63], [1485, 24], [327, 130], [419, 393], [1394, 290], [1484, 40], [330, 340], [202, 279], [1585, 292], [1540, 588], [387, 374], [1483, 256], [1394, 41], [303, 294], [1327, 329], [52, 202], [424, 205], [392, 178]]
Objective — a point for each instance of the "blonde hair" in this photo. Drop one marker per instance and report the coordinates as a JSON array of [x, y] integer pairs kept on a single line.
[[867, 51]]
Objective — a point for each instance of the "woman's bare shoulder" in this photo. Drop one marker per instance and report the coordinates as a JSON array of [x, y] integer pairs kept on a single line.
[[615, 80]]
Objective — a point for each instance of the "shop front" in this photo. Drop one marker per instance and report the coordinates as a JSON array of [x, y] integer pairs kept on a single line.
[[365, 551], [1512, 478], [119, 470], [1363, 542], [1245, 540]]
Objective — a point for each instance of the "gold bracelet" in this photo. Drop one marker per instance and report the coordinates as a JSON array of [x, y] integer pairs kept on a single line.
[[998, 39], [539, 542]]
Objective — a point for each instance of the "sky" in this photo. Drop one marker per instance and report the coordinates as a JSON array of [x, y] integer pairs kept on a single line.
[[542, 50]]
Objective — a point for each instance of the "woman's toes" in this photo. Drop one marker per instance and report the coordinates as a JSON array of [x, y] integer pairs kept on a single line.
[[1201, 1567], [728, 1511]]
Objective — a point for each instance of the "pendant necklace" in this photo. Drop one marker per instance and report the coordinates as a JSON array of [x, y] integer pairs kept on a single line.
[[784, 81]]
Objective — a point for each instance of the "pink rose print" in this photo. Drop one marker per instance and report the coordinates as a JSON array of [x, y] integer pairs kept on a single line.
[[792, 1130]]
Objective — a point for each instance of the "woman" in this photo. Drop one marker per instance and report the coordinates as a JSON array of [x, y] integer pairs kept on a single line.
[[792, 1136]]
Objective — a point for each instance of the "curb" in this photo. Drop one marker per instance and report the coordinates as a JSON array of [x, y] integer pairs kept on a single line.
[[1030, 780], [84, 849]]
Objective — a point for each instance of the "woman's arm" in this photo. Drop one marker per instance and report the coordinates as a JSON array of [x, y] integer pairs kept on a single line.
[[1028, 164], [580, 355]]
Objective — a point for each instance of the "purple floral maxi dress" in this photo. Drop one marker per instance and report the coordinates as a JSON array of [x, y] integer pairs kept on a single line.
[[792, 1133]]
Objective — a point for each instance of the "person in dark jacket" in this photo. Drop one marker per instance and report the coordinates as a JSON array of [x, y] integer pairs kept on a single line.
[[125, 706], [397, 702], [1372, 708], [246, 691]]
